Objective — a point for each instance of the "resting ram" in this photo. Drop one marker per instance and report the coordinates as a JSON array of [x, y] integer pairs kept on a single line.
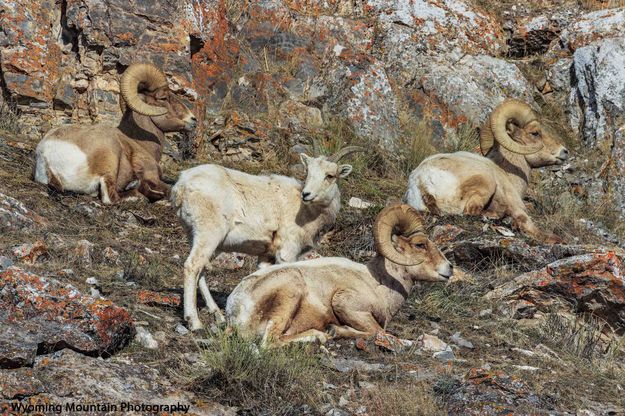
[[316, 300], [114, 161], [273, 217], [513, 141]]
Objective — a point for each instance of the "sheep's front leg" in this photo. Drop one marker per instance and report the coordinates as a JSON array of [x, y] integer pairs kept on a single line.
[[354, 315], [108, 190], [523, 222], [151, 185], [288, 252]]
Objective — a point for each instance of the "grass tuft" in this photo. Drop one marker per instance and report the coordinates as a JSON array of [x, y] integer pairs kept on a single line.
[[261, 381]]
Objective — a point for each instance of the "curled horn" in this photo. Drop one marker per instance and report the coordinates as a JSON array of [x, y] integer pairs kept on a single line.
[[407, 221], [522, 114], [344, 152], [149, 77]]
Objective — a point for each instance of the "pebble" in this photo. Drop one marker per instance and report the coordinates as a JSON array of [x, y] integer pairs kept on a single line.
[[461, 342], [145, 339]]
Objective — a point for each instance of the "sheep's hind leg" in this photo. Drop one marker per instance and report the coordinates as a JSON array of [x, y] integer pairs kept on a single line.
[[210, 302], [311, 335], [108, 190], [477, 194], [203, 248]]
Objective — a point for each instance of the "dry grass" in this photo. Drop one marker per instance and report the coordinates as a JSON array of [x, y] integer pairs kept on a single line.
[[401, 399], [9, 117], [260, 381]]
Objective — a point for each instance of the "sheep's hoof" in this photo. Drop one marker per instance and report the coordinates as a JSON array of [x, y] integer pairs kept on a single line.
[[219, 318]]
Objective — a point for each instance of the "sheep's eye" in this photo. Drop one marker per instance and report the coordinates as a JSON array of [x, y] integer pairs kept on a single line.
[[330, 177], [535, 134], [420, 246]]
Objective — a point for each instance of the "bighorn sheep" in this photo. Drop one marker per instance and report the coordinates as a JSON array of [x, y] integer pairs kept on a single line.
[[87, 159], [336, 297], [272, 217], [513, 141]]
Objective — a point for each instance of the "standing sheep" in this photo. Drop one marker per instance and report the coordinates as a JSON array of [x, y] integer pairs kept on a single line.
[[111, 160], [273, 217], [462, 183]]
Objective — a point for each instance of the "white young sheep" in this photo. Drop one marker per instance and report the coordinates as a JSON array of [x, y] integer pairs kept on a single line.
[[273, 217]]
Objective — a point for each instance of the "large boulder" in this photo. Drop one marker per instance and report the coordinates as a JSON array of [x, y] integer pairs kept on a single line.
[[598, 89], [592, 27], [40, 314], [590, 283]]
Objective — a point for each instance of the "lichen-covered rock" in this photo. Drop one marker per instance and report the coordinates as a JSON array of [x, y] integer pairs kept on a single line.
[[414, 27], [470, 87], [617, 179], [593, 26], [359, 89], [592, 282], [48, 315], [67, 378], [598, 88]]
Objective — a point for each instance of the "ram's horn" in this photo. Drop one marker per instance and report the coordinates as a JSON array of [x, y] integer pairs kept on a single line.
[[522, 114], [151, 78], [404, 220]]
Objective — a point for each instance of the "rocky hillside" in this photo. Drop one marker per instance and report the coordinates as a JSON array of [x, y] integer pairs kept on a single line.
[[90, 295]]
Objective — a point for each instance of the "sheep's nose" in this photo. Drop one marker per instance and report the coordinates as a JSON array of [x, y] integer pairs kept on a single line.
[[564, 154], [305, 195]]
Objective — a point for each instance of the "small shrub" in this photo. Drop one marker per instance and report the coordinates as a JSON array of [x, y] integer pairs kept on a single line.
[[276, 381]]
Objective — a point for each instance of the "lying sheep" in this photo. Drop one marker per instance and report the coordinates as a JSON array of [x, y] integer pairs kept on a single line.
[[273, 217], [513, 141], [316, 300], [113, 161]]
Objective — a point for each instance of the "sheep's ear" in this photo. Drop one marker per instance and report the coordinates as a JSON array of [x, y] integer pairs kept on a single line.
[[304, 158], [344, 170]]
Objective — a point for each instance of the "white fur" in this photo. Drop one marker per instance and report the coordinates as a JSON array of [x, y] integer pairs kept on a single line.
[[68, 163]]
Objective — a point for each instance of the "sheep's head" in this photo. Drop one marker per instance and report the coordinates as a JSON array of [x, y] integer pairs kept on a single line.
[[322, 175], [145, 91], [514, 126], [399, 237]]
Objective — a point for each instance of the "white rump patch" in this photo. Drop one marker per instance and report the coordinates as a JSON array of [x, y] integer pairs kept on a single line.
[[68, 163]]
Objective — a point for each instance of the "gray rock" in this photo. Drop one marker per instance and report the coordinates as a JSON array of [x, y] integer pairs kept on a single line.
[[345, 365], [461, 342], [145, 338], [598, 88], [445, 355], [5, 263]]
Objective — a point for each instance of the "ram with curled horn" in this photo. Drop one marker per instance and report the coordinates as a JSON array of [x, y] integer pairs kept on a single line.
[[513, 141], [319, 299], [273, 217], [115, 162]]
